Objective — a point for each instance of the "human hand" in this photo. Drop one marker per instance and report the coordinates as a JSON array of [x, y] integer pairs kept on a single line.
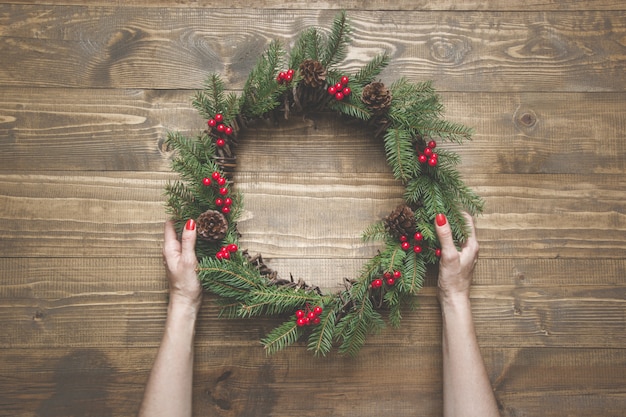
[[180, 263], [455, 267]]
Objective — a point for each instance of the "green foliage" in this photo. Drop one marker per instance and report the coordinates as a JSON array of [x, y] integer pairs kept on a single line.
[[371, 70], [261, 92], [414, 117]]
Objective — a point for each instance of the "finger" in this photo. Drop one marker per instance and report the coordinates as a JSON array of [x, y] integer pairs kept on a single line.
[[470, 222], [171, 246], [444, 233], [188, 240]]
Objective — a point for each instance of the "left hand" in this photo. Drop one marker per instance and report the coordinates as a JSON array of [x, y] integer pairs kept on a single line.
[[181, 263]]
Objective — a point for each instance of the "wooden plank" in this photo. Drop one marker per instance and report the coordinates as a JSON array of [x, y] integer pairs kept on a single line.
[[68, 129], [82, 312], [161, 48], [374, 5], [121, 215], [238, 380]]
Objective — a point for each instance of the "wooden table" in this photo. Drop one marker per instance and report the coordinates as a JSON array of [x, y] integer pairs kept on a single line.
[[88, 92]]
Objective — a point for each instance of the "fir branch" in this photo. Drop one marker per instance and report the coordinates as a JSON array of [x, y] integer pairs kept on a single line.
[[352, 108], [321, 338], [261, 92], [229, 279], [282, 336], [276, 300], [413, 276], [375, 232], [372, 69], [360, 321], [338, 40], [210, 101], [400, 154]]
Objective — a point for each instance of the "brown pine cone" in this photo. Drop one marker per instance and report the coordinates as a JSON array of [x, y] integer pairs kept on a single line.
[[313, 73], [376, 96], [212, 225], [401, 221]]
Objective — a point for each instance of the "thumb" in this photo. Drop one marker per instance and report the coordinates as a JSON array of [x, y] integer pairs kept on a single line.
[[188, 240], [444, 233]]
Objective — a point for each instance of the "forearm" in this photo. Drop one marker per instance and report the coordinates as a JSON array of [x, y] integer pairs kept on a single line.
[[467, 391], [169, 388]]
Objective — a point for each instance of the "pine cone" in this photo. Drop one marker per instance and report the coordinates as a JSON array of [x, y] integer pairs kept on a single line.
[[401, 221], [212, 225], [313, 73], [376, 96]]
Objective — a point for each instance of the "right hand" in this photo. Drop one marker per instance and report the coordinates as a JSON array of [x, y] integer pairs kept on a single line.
[[455, 267]]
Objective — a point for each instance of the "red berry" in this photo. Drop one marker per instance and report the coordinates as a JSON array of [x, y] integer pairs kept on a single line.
[[301, 322], [219, 118], [219, 202], [288, 77], [346, 91], [232, 248], [418, 236], [316, 320], [317, 310], [344, 80], [225, 209], [225, 254], [339, 96], [432, 144], [219, 255], [397, 274], [332, 90], [387, 275], [211, 123], [390, 281], [216, 175], [300, 314], [435, 155], [307, 320], [417, 249], [221, 181], [278, 79], [423, 159], [220, 142], [311, 315], [223, 191], [281, 75], [228, 201], [338, 86], [228, 130], [405, 245], [437, 252], [403, 238], [432, 162], [427, 151], [221, 127], [377, 283], [206, 181], [290, 72]]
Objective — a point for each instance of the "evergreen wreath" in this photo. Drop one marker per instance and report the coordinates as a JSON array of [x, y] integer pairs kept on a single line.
[[406, 117]]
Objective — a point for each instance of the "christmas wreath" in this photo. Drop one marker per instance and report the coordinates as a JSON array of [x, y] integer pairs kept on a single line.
[[407, 119]]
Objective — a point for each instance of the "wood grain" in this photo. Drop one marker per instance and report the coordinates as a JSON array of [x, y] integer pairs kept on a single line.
[[88, 93], [161, 48], [120, 130]]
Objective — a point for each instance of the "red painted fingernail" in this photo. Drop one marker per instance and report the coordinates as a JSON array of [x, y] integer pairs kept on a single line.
[[190, 225], [440, 219]]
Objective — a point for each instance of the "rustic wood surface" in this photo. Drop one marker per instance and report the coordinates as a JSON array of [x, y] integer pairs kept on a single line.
[[88, 91]]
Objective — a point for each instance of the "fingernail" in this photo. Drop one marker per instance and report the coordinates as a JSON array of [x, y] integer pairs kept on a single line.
[[190, 225], [440, 219]]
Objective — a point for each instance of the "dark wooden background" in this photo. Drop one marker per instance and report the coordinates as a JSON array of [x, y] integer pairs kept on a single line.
[[88, 91]]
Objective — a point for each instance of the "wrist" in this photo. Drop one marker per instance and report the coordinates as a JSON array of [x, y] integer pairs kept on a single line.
[[182, 304], [453, 300]]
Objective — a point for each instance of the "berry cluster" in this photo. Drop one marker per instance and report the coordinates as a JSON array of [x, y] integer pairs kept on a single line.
[[417, 244], [223, 202], [285, 76], [428, 155], [341, 89], [225, 251], [217, 127], [388, 278], [308, 317]]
